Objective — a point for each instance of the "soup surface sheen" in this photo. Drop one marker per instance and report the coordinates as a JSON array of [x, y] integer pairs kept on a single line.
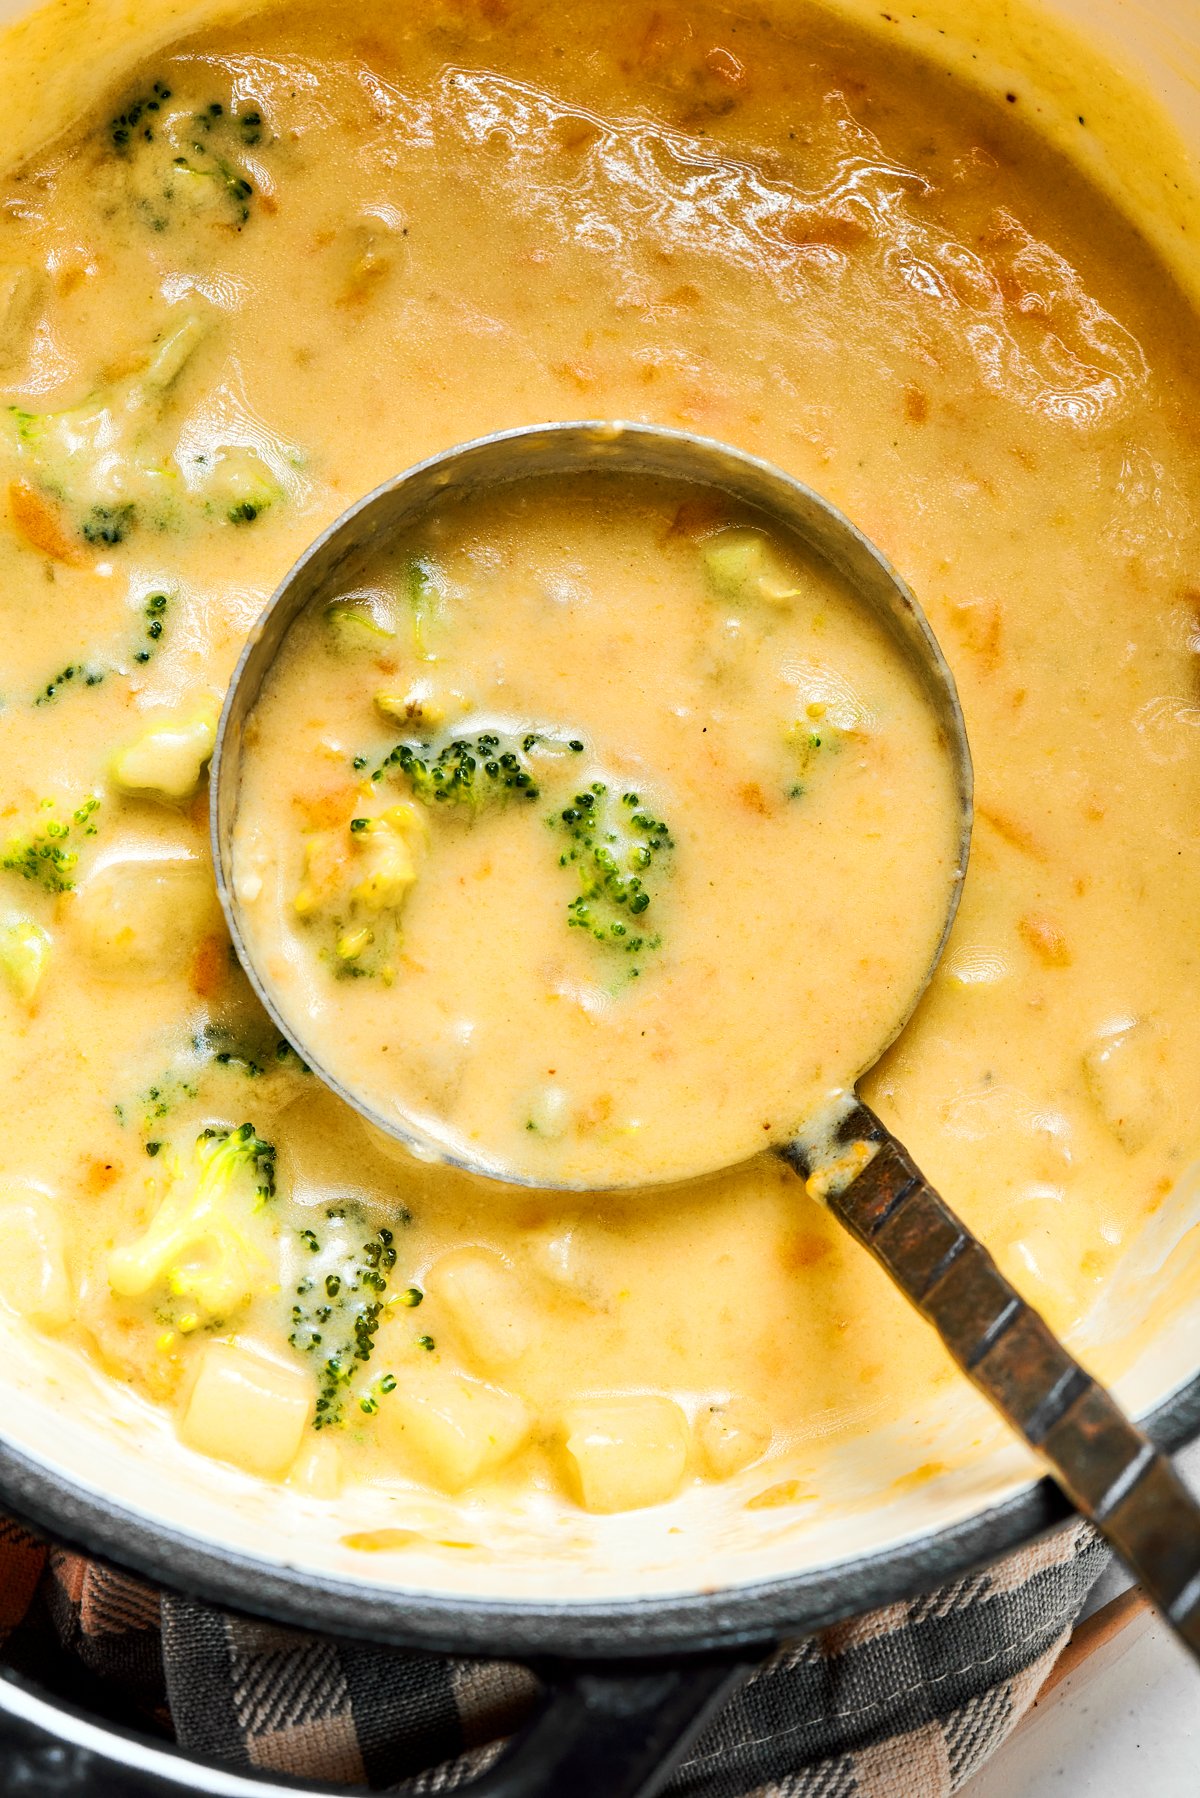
[[596, 829], [292, 257]]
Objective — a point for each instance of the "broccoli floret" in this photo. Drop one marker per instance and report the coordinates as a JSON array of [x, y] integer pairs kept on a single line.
[[154, 612], [197, 1249], [238, 487], [810, 741], [100, 459], [41, 854], [80, 674], [210, 1071], [614, 842], [176, 161], [255, 1054], [368, 620], [109, 464], [77, 676], [138, 118], [357, 624], [337, 1312], [423, 591], [469, 771]]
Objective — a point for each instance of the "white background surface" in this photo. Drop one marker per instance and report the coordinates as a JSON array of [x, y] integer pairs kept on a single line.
[[1126, 1725]]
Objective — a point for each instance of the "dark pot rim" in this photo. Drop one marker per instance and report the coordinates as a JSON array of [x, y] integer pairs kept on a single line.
[[756, 1613]]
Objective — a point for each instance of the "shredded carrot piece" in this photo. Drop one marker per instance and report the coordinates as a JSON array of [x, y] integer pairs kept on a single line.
[[1046, 940], [209, 967], [697, 517], [101, 1175], [786, 1492], [39, 523], [1012, 830], [326, 811]]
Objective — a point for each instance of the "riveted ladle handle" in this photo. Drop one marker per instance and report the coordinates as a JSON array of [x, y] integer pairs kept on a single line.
[[1108, 1468]]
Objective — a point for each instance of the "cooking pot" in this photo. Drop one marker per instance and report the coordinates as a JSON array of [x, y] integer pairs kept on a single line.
[[643, 1629]]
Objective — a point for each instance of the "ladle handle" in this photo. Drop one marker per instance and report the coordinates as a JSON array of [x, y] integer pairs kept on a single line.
[[1108, 1468]]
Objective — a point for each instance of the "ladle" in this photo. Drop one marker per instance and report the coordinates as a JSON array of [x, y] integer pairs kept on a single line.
[[848, 1159]]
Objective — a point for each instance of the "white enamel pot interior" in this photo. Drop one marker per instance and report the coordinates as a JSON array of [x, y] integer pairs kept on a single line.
[[96, 1465]]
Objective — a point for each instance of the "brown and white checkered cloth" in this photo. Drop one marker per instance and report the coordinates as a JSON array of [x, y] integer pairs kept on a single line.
[[906, 1702]]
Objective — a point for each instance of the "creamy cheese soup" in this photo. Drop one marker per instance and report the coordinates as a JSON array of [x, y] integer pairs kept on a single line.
[[598, 829], [281, 262]]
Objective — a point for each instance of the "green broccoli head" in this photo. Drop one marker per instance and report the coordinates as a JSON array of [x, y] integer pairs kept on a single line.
[[200, 1249], [338, 1307], [614, 845], [175, 161], [422, 588], [44, 853], [102, 459], [474, 772], [111, 462], [206, 1076]]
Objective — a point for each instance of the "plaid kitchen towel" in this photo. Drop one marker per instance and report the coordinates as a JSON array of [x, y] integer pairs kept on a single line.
[[905, 1702]]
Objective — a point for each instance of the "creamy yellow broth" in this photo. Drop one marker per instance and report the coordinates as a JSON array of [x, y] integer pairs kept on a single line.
[[596, 830], [460, 219]]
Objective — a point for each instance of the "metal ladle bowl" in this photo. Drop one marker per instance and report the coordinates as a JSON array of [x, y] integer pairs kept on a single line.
[[849, 1160], [517, 457]]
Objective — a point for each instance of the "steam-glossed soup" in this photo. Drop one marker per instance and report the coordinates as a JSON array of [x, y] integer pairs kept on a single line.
[[598, 829], [286, 259]]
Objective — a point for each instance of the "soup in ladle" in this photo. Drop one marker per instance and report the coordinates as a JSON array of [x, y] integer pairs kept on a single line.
[[596, 825]]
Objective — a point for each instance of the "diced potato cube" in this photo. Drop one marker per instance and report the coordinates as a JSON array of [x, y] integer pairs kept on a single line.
[[386, 845], [326, 853], [317, 1469], [24, 957], [167, 758], [247, 1409], [558, 1251], [1121, 1072], [732, 1436], [33, 1264], [455, 1428], [485, 1303], [626, 1452], [741, 564], [144, 918]]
